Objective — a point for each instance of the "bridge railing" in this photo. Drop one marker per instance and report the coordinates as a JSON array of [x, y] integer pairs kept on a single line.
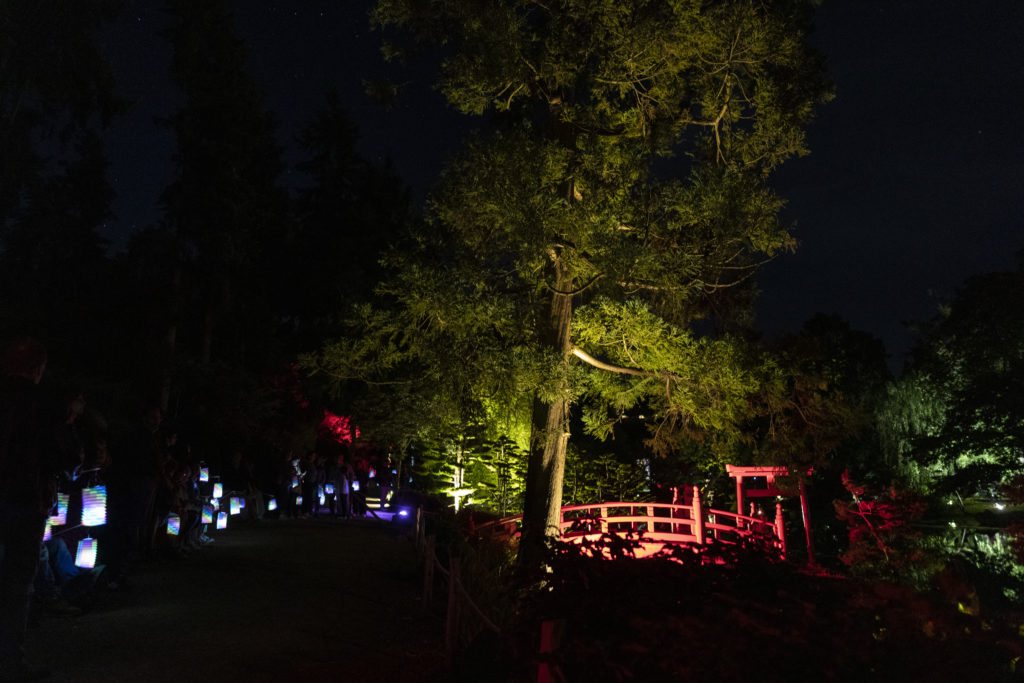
[[660, 522]]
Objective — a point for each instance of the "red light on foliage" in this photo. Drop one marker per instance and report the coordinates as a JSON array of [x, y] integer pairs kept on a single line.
[[339, 427]]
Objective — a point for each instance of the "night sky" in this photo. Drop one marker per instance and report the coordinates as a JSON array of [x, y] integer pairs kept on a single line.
[[915, 179]]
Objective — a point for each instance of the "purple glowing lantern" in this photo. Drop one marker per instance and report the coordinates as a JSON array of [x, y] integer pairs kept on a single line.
[[86, 555], [94, 506]]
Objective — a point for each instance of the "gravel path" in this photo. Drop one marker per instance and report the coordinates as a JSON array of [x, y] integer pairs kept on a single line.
[[283, 600]]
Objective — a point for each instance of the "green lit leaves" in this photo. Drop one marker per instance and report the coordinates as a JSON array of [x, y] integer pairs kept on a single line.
[[687, 383]]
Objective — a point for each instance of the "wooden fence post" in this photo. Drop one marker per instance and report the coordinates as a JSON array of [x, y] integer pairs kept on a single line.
[[428, 571], [780, 529], [550, 634], [452, 624], [697, 512]]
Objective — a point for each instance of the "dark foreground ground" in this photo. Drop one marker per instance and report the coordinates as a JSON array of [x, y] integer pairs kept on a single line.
[[282, 600]]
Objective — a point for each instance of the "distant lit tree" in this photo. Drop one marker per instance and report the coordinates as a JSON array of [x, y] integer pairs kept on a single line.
[[965, 387]]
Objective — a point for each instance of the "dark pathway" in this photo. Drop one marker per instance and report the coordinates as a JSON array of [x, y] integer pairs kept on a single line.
[[295, 600]]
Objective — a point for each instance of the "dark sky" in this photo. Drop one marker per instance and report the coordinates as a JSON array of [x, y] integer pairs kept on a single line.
[[915, 179]]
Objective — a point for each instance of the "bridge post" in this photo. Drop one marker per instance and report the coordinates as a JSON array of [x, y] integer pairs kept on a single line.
[[697, 527], [676, 513], [602, 512], [780, 529], [650, 519], [805, 513]]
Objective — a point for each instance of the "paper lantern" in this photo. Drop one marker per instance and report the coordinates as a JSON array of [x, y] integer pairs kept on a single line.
[[61, 517], [207, 514], [234, 505], [86, 555], [218, 490], [330, 489], [295, 482], [298, 500], [373, 473], [355, 486], [241, 503], [94, 506], [47, 531], [222, 520], [204, 474], [272, 504], [173, 524], [215, 503], [322, 499]]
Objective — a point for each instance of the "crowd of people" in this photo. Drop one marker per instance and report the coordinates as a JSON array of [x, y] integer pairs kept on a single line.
[[79, 507]]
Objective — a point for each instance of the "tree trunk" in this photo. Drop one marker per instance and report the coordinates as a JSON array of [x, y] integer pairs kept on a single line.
[[542, 510], [170, 340]]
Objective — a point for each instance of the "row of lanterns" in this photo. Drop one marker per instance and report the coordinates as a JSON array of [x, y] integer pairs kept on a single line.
[[94, 513]]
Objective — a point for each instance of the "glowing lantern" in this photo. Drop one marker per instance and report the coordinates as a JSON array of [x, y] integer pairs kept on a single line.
[[94, 506], [86, 555], [330, 489], [295, 482], [298, 500], [373, 473], [218, 490], [173, 524], [207, 514], [215, 503], [241, 503], [62, 510], [204, 474], [355, 486], [234, 506], [47, 531], [322, 499], [222, 520], [272, 504]]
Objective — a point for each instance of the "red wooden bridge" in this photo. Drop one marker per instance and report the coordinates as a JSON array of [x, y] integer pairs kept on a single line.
[[660, 525]]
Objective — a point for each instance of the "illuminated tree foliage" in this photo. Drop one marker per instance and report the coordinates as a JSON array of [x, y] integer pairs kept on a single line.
[[558, 264], [963, 394], [472, 469], [882, 544]]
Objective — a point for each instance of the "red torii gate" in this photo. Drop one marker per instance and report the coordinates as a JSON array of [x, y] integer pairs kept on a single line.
[[770, 473]]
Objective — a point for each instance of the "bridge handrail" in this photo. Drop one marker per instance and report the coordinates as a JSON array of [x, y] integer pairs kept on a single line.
[[741, 525]]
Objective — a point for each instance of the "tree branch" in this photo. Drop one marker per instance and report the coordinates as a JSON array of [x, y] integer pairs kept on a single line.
[[590, 360]]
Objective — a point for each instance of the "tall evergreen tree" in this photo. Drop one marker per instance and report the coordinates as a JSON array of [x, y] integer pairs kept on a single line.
[[56, 97], [225, 206], [345, 218], [561, 265], [54, 84]]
